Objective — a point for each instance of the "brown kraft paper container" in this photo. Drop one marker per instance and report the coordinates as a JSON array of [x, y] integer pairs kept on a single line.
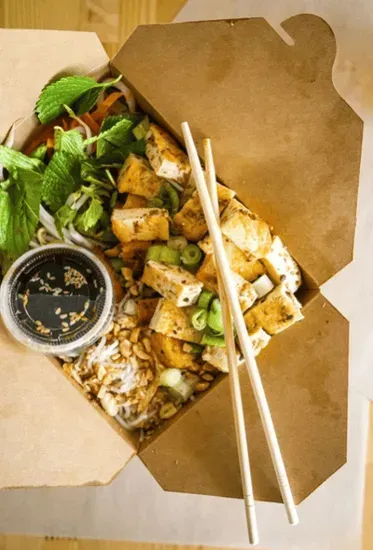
[[290, 147]]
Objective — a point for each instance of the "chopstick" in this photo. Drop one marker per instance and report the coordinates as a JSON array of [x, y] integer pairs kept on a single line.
[[238, 414], [244, 339]]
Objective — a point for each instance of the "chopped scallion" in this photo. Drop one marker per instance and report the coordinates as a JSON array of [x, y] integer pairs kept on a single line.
[[199, 319], [117, 264], [215, 316], [154, 252], [204, 299], [211, 339], [177, 243], [170, 378], [170, 256], [191, 255]]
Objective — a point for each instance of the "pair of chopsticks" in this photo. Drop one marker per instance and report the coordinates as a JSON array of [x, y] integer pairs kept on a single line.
[[231, 308]]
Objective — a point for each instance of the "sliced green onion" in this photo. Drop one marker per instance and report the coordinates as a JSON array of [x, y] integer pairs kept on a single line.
[[171, 197], [211, 339], [113, 199], [117, 264], [154, 252], [191, 255], [204, 299], [157, 202], [141, 129], [170, 256], [170, 378], [199, 319], [177, 243], [184, 389], [215, 317], [110, 178]]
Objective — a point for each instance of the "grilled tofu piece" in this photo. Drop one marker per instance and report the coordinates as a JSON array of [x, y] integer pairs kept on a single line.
[[259, 339], [145, 310], [249, 232], [275, 312], [140, 224], [217, 357], [249, 268], [138, 178], [175, 321], [165, 156], [281, 267], [190, 220], [135, 201], [172, 282], [208, 276], [170, 352]]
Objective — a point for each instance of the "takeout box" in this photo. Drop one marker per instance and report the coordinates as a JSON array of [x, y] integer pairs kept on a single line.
[[290, 147]]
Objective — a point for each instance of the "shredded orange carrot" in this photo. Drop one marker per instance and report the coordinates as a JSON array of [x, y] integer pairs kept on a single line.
[[94, 126], [50, 143], [73, 123], [42, 133], [65, 125], [104, 107]]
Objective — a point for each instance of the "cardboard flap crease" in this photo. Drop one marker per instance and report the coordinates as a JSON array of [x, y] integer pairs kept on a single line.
[[290, 147]]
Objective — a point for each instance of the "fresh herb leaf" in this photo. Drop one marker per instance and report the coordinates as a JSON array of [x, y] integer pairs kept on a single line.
[[113, 199], [19, 212], [95, 190], [14, 160], [87, 101], [90, 217], [117, 155], [63, 217], [69, 142], [115, 134], [40, 152], [62, 177], [67, 90]]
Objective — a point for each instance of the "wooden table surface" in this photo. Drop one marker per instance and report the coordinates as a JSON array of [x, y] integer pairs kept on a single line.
[[113, 21]]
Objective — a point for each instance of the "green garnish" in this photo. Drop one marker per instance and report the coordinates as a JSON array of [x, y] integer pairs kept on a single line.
[[191, 255], [70, 142], [170, 378], [88, 219], [61, 178], [141, 129], [170, 198], [204, 299], [63, 217], [115, 132], [162, 253], [40, 152], [19, 211], [215, 316], [196, 348], [13, 160], [117, 264], [199, 319], [211, 339], [155, 203], [67, 91], [177, 243]]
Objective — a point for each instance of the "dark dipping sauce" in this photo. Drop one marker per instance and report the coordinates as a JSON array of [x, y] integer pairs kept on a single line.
[[57, 296]]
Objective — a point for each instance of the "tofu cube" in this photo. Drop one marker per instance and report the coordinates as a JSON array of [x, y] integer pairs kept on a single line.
[[165, 156], [217, 357], [249, 268], [172, 282], [259, 339], [140, 224], [170, 352], [208, 276], [281, 267], [275, 312], [138, 178], [249, 232], [190, 220], [135, 201], [175, 321]]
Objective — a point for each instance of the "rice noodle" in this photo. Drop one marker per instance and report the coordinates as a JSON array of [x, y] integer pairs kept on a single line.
[[77, 238], [176, 185]]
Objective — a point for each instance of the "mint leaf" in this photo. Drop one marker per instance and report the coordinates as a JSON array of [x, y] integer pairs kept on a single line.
[[40, 152], [69, 142], [19, 212], [91, 216], [87, 101], [66, 90], [63, 217], [13, 160], [116, 155], [61, 177]]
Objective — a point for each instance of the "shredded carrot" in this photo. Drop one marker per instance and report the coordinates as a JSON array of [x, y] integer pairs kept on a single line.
[[65, 125], [42, 133], [73, 123], [94, 126], [104, 107], [50, 143]]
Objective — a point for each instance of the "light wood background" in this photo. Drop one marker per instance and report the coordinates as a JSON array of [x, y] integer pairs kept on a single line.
[[113, 21]]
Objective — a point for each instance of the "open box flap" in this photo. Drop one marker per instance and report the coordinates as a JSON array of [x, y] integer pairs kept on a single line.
[[305, 377], [30, 58], [53, 436], [282, 136]]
